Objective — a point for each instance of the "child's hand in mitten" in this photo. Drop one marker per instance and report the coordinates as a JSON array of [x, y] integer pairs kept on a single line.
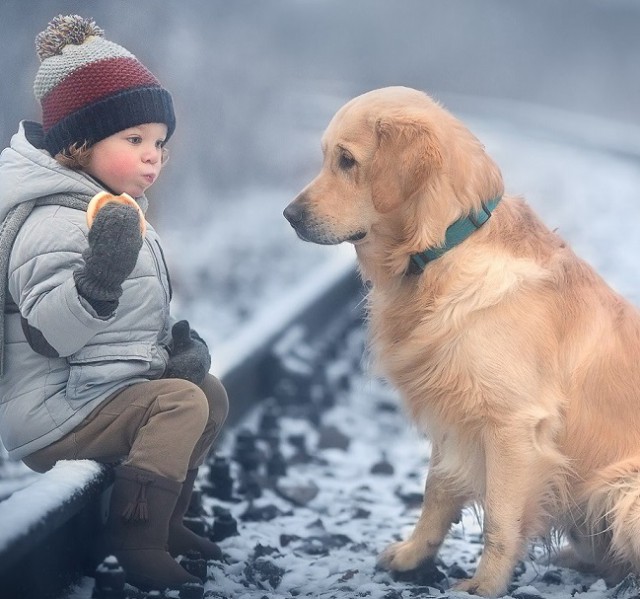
[[189, 356], [115, 240]]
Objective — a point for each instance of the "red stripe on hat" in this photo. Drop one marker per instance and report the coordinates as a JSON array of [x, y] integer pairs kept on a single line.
[[92, 82]]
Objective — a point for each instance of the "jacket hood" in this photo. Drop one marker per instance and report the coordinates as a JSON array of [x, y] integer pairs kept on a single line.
[[27, 171]]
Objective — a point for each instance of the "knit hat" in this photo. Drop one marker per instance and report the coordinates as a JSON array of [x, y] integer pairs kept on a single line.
[[90, 88]]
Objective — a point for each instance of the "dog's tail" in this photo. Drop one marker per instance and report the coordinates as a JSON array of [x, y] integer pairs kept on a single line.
[[612, 513]]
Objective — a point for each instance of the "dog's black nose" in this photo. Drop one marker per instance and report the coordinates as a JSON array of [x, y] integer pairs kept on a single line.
[[294, 213]]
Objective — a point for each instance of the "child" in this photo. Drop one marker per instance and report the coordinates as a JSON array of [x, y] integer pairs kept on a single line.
[[93, 368]]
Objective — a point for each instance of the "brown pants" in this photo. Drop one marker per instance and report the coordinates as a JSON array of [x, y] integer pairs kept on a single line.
[[165, 426]]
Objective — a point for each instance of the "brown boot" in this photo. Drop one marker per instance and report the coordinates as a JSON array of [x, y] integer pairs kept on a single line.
[[181, 539], [138, 527]]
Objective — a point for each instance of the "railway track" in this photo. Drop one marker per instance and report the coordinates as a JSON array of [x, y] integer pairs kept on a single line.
[[46, 529]]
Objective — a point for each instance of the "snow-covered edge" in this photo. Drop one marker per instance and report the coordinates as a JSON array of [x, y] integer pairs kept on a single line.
[[274, 317], [30, 506]]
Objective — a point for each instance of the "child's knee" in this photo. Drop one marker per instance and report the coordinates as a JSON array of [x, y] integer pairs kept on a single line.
[[185, 403], [217, 399], [197, 404]]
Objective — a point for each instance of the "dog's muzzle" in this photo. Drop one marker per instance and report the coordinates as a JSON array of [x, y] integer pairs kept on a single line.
[[297, 216], [310, 229]]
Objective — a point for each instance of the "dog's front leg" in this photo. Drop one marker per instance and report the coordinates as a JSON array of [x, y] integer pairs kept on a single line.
[[440, 508], [509, 460]]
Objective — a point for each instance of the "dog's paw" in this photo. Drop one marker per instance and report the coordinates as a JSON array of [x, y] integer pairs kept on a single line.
[[484, 588], [402, 556]]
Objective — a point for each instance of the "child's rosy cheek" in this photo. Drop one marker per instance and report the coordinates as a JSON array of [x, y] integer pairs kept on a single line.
[[121, 165]]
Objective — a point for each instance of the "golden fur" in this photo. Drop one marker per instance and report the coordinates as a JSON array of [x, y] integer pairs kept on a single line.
[[511, 353]]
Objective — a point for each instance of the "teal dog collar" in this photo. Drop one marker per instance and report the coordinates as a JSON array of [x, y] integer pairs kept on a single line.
[[456, 234]]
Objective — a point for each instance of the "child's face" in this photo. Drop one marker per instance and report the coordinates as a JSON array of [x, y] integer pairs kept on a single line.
[[129, 161]]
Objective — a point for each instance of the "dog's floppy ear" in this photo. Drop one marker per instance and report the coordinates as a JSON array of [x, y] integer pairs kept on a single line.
[[406, 156]]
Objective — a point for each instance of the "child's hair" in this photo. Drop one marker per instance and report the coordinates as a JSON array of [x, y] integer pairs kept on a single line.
[[77, 156]]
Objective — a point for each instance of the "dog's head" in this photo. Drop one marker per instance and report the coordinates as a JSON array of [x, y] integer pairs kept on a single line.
[[396, 165]]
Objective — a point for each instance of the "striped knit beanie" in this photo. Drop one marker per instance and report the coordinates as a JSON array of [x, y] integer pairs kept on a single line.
[[90, 88]]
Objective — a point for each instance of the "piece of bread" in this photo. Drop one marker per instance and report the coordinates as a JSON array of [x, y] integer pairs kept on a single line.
[[104, 197]]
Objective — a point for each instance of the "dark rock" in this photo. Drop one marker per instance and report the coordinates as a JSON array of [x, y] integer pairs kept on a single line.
[[264, 513], [299, 494], [552, 577], [195, 564], [220, 483], [348, 575], [317, 525], [276, 465], [426, 574], [629, 588], [313, 546], [331, 437], [411, 499], [246, 451], [525, 594], [109, 580], [270, 417], [224, 525], [250, 484], [387, 406], [323, 544], [263, 573], [287, 539], [271, 440], [261, 550], [360, 513], [383, 467], [456, 571], [301, 454], [191, 590], [519, 569]]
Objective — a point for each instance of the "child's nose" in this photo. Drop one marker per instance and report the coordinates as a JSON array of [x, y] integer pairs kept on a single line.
[[152, 155]]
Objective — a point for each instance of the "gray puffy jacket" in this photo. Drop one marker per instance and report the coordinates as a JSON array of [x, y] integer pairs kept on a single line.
[[43, 398]]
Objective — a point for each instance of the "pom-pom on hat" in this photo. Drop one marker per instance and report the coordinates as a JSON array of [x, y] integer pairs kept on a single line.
[[90, 88]]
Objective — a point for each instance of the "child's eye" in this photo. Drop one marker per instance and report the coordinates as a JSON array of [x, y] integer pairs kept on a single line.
[[160, 144], [134, 139]]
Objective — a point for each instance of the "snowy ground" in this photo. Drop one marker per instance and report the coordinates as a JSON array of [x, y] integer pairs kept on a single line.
[[581, 176], [364, 495]]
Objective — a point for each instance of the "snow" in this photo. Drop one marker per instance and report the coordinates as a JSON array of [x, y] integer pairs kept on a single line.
[[29, 506], [581, 175]]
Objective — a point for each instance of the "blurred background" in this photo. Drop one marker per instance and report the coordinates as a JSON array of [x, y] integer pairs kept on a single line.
[[255, 83], [250, 78]]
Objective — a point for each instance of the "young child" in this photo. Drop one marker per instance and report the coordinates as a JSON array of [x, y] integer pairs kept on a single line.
[[93, 368]]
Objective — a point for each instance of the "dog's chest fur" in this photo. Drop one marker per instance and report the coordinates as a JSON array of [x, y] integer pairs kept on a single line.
[[432, 342], [426, 336]]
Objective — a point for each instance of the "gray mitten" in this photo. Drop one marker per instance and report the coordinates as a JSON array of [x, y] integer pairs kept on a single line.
[[115, 240], [189, 356]]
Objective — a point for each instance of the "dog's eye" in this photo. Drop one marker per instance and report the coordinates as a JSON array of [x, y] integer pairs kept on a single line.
[[346, 161]]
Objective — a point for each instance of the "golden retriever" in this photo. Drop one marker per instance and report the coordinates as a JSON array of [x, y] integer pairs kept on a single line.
[[512, 355]]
